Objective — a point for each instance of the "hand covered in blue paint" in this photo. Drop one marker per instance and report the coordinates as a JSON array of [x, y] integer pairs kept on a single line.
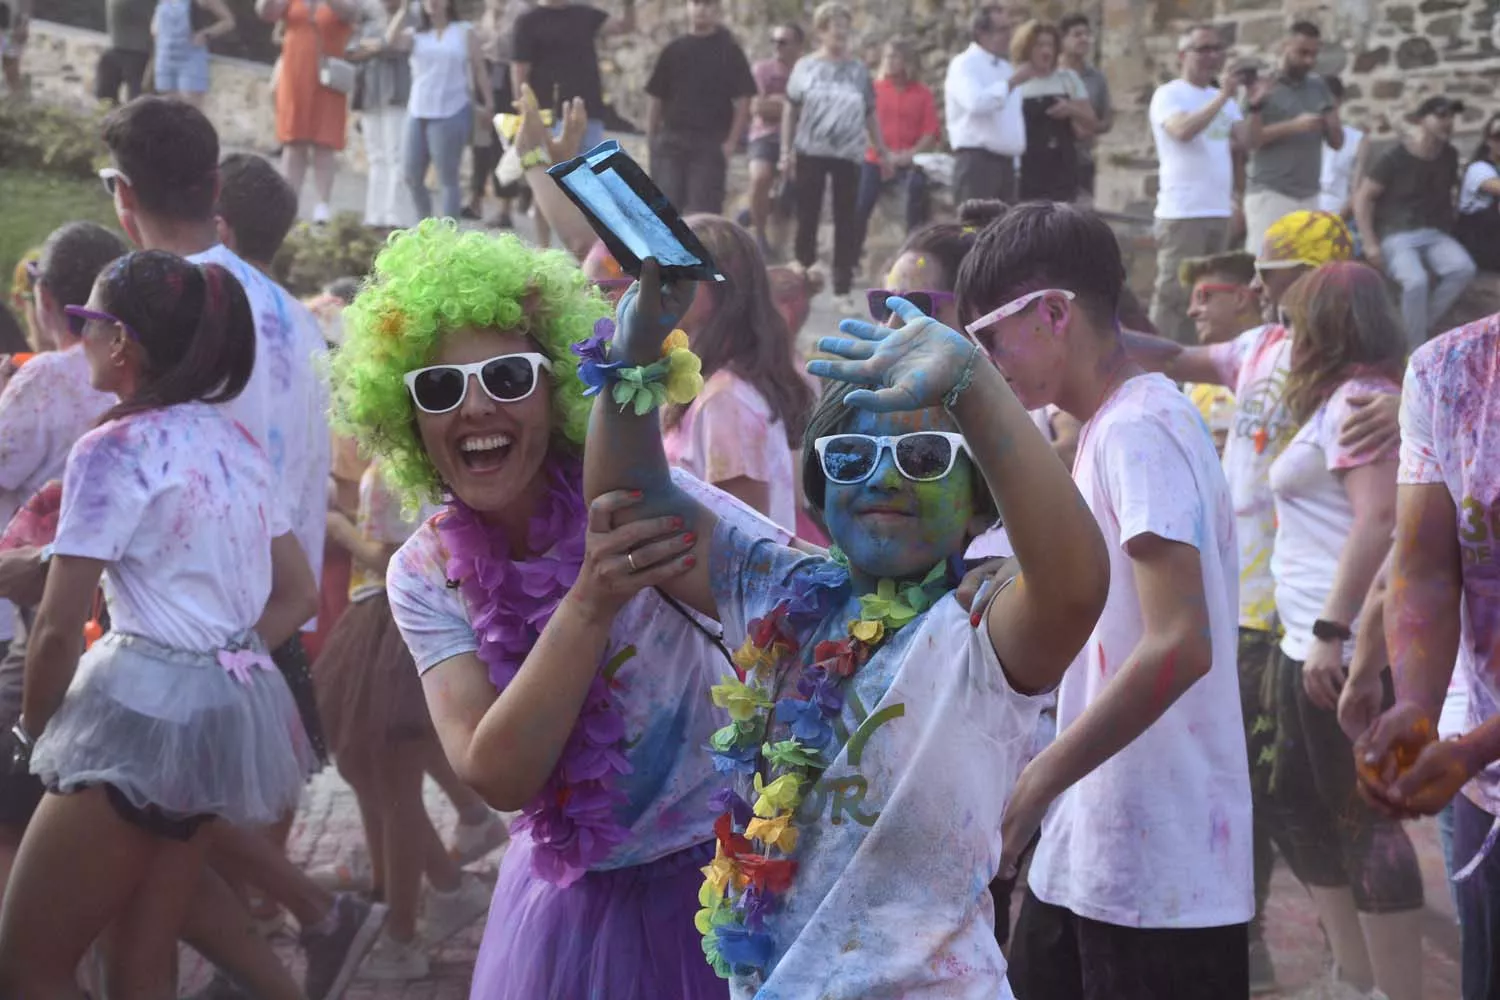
[[910, 367], [649, 311]]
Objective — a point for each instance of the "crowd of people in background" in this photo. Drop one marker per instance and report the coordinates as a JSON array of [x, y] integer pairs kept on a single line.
[[1117, 607]]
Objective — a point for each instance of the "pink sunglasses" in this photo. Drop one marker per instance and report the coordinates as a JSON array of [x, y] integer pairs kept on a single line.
[[78, 317]]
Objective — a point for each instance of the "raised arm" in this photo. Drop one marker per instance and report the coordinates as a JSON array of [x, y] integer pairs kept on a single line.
[[1038, 625], [625, 448], [398, 33], [1185, 126]]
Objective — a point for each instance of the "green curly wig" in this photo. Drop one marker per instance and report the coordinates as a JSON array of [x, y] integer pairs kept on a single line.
[[427, 283]]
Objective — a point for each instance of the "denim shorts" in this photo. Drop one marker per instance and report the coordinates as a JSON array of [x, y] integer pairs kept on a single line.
[[182, 68]]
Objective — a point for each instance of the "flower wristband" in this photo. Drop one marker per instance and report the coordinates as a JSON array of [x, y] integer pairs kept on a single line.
[[677, 377]]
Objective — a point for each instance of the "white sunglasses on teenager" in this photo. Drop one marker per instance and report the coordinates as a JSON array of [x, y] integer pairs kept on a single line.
[[506, 378], [112, 179], [1013, 307], [921, 456]]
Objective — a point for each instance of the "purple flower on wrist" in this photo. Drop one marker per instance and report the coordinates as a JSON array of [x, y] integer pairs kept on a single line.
[[594, 366]]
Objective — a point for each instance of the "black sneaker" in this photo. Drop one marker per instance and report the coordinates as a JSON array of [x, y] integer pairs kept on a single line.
[[333, 957], [1262, 972]]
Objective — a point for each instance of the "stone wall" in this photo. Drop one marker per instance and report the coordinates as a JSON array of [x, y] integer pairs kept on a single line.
[[1391, 53], [60, 63]]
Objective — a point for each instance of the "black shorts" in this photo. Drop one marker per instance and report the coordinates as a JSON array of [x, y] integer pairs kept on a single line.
[[766, 148], [1058, 955], [148, 817], [118, 68]]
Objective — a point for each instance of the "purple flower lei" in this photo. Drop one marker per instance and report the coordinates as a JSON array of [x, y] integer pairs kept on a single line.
[[572, 820]]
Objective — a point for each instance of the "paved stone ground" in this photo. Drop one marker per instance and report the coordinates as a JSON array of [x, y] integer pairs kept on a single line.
[[328, 829]]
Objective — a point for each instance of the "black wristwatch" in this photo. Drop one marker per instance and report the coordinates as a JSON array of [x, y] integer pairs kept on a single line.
[[1255, 107], [1329, 631]]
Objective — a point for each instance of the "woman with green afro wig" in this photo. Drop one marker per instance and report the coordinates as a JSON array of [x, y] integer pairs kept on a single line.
[[459, 373]]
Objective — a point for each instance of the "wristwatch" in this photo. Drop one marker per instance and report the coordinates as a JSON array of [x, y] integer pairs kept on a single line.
[[20, 757], [1328, 631], [1255, 107]]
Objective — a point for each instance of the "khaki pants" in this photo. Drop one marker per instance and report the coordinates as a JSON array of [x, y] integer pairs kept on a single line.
[[1264, 208], [1176, 241]]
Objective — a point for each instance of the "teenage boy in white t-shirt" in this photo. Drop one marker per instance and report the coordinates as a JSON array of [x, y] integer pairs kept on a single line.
[[1255, 365], [1141, 883], [1195, 122]]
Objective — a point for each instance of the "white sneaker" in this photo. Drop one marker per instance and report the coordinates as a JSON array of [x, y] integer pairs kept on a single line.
[[321, 213], [472, 841], [395, 961], [450, 912]]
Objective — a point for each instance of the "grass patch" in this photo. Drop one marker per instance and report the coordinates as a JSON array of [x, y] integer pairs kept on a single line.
[[33, 204]]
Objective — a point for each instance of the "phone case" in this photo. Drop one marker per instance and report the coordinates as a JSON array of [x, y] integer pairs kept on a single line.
[[631, 215]]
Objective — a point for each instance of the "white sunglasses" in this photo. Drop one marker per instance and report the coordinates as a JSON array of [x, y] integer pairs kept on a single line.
[[1013, 307], [112, 178], [506, 378]]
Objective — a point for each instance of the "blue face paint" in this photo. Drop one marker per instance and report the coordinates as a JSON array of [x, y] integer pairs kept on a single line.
[[888, 525]]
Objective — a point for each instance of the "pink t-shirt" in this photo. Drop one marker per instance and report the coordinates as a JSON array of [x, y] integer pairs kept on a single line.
[[729, 432], [1450, 413], [770, 79], [1314, 515], [1255, 365]]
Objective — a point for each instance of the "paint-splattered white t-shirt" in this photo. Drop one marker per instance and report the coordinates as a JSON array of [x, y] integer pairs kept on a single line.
[[45, 408], [285, 404], [183, 505], [1255, 364], [900, 837], [1314, 515], [1450, 434], [668, 666], [1158, 835]]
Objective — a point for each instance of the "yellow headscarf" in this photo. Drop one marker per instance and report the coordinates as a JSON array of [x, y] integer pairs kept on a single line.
[[1311, 238]]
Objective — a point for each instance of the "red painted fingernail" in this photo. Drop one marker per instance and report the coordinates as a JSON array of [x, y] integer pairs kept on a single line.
[[676, 523], [636, 494], [690, 562], [689, 538], [974, 619]]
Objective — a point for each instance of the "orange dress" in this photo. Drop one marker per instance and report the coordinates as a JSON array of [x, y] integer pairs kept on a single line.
[[307, 111]]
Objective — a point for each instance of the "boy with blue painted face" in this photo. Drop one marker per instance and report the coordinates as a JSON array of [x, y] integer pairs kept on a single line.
[[872, 734], [1141, 883]]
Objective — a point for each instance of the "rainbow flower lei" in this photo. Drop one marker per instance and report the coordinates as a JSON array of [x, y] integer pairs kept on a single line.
[[754, 865]]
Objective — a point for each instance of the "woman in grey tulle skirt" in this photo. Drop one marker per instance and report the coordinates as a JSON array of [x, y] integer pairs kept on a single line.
[[176, 718]]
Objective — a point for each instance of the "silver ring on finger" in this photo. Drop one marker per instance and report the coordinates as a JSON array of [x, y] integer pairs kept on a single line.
[[630, 558]]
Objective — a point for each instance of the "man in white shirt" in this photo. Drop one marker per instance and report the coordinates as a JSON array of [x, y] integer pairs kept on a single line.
[[1194, 122], [1141, 883], [983, 108], [164, 175]]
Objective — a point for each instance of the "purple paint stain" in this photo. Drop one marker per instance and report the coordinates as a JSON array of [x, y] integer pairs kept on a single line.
[[1218, 830]]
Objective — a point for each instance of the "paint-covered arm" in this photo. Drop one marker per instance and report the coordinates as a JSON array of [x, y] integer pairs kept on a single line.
[[1162, 521], [625, 449], [56, 639], [1038, 625], [505, 746], [1177, 362]]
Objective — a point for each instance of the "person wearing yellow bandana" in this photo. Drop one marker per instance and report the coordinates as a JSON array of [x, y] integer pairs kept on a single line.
[[871, 733], [1255, 365]]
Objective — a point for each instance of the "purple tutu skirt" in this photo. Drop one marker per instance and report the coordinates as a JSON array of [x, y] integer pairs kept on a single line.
[[624, 934]]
